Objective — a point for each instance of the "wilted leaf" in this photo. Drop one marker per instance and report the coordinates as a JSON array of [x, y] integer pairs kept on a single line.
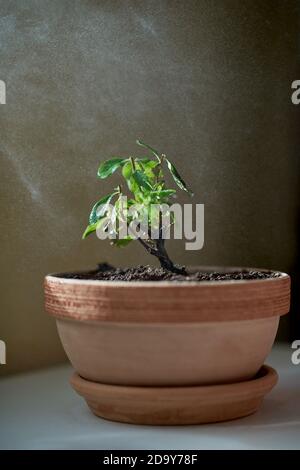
[[146, 146], [177, 178]]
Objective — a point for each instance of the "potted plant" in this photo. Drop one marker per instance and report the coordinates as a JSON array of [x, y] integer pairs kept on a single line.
[[168, 345]]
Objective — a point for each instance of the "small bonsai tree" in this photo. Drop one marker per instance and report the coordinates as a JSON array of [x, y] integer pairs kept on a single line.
[[144, 178]]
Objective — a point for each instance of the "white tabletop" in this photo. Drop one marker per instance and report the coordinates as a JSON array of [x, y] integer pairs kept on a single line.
[[39, 410]]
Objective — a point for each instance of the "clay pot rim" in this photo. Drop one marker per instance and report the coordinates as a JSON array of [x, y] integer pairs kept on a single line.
[[167, 301], [56, 277]]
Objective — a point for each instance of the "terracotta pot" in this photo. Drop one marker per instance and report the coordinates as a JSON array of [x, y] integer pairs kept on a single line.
[[167, 334]]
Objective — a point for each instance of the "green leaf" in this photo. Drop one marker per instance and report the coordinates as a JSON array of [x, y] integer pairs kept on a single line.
[[164, 193], [146, 146], [141, 179], [177, 178], [130, 202], [127, 170], [148, 169], [97, 214], [90, 229], [146, 163], [108, 167], [133, 186], [121, 242]]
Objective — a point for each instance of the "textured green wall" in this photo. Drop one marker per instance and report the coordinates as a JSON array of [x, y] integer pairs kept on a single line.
[[207, 82]]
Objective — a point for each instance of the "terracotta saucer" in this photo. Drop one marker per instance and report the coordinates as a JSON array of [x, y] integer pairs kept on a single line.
[[176, 405]]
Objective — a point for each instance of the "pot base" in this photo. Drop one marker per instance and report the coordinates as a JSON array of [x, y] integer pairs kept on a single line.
[[176, 405]]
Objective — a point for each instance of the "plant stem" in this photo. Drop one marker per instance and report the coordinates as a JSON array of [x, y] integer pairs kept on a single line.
[[132, 163], [160, 252], [157, 248]]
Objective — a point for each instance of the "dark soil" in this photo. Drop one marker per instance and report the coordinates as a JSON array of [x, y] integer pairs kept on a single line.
[[106, 272]]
